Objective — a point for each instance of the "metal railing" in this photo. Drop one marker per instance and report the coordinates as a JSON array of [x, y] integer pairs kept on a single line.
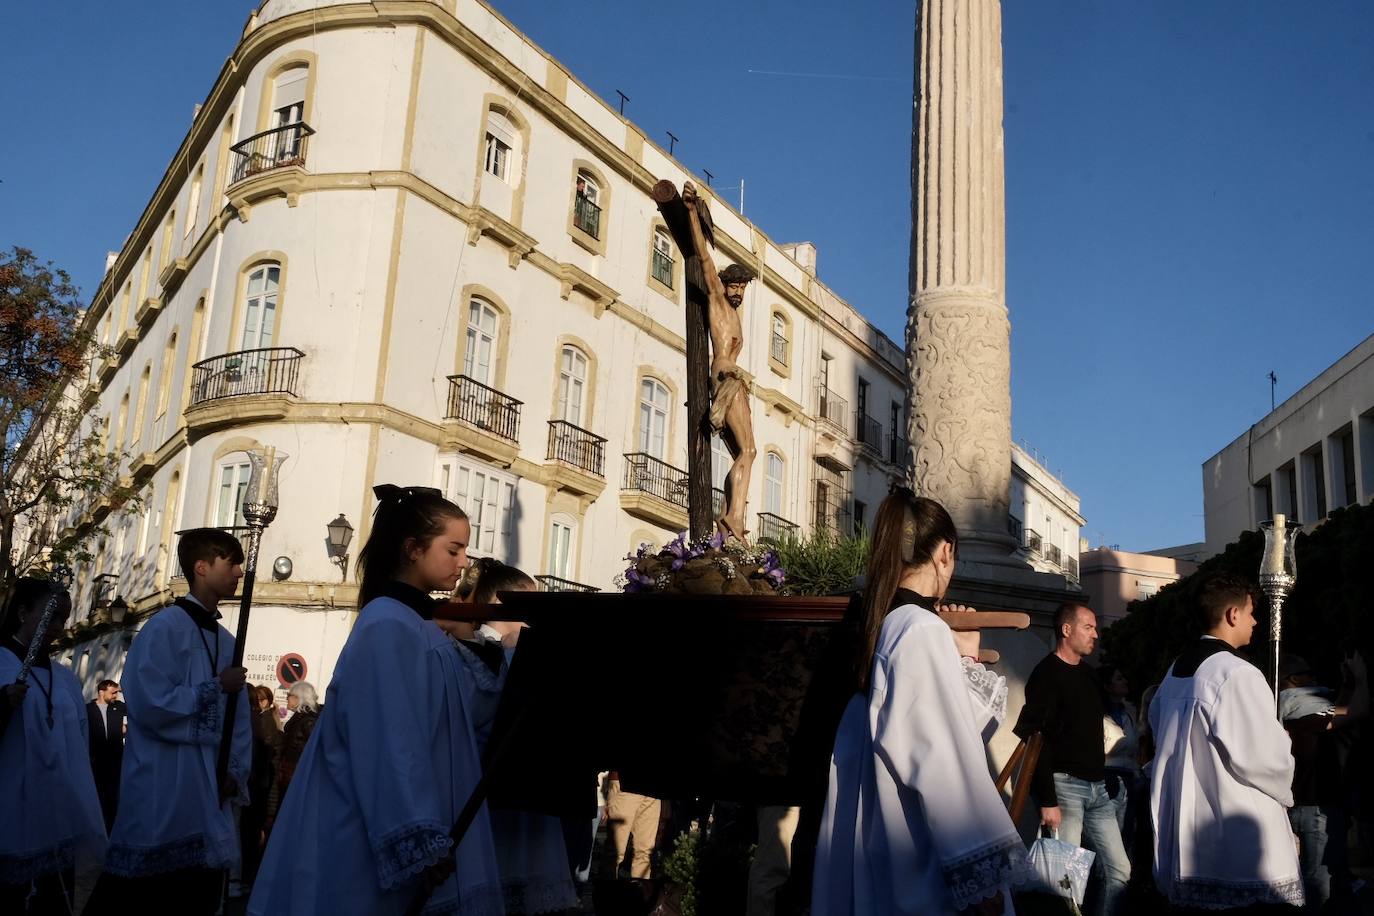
[[240, 532], [648, 474], [587, 216], [662, 268], [1054, 554], [868, 432], [776, 528], [272, 370], [831, 407], [1033, 541], [832, 512], [272, 149], [897, 449], [1071, 568], [557, 584], [478, 405], [576, 446], [778, 348], [1014, 528]]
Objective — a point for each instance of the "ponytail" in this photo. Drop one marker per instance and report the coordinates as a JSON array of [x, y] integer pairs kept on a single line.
[[907, 529], [403, 514]]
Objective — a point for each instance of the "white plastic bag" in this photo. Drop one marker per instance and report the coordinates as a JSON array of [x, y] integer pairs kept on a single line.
[[1061, 868]]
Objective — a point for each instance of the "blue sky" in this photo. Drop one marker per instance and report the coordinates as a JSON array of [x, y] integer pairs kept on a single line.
[[1189, 193]]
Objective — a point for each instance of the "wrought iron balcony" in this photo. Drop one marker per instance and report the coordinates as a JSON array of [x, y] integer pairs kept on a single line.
[[897, 448], [556, 584], [272, 149], [483, 407], [647, 474], [1071, 568], [1054, 554], [575, 446], [1014, 528], [869, 433], [273, 370], [240, 532], [1033, 541], [833, 514], [776, 528], [777, 348], [662, 268], [587, 216], [831, 407]]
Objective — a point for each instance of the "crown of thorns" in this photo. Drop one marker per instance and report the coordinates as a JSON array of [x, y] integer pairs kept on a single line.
[[737, 273]]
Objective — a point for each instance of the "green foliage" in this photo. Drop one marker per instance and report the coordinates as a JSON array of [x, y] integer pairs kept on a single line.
[[1326, 616], [713, 873], [822, 564]]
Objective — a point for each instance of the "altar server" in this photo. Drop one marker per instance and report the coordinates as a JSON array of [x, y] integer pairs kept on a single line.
[[1223, 769], [50, 816], [393, 757], [912, 821], [174, 835]]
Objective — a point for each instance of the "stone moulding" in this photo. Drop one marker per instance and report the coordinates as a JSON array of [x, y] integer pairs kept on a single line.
[[652, 509], [212, 415], [563, 476], [458, 436]]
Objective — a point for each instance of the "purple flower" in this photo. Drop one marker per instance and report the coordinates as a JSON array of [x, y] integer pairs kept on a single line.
[[636, 581], [716, 541], [680, 550]]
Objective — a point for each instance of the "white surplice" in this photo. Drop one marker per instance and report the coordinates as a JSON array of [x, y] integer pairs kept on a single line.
[[912, 821], [50, 814], [170, 816], [381, 782], [530, 852], [1222, 784]]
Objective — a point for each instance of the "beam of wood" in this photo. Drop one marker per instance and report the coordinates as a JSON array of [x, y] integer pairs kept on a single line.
[[985, 620]]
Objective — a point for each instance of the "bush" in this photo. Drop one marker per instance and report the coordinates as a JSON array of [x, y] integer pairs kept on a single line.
[[822, 564]]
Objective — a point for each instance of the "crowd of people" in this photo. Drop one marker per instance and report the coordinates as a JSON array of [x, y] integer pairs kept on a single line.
[[1204, 799]]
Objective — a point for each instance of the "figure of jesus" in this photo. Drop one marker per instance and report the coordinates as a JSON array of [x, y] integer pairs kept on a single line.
[[729, 385]]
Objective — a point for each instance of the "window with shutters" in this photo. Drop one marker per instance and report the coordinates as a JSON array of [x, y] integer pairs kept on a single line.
[[653, 418], [500, 145], [233, 483], [488, 497], [572, 383], [480, 351], [260, 306]]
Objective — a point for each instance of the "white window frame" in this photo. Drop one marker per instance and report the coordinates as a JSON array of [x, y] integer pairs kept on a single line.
[[572, 383], [773, 483], [260, 307], [499, 146], [562, 559], [476, 337], [490, 509], [778, 341], [231, 483], [591, 188], [654, 400]]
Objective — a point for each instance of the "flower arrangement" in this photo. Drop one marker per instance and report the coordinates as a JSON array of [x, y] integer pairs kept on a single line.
[[707, 566]]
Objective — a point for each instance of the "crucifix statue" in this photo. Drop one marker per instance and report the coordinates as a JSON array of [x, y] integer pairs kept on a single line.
[[717, 388]]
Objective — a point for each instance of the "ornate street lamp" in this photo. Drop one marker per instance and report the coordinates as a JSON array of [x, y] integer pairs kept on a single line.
[[340, 536], [1278, 572], [119, 609], [259, 508]]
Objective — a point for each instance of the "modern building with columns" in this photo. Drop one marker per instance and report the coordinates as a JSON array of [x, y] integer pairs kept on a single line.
[[401, 244], [1311, 454]]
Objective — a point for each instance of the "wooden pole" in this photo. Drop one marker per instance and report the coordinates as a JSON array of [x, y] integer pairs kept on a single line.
[[699, 516]]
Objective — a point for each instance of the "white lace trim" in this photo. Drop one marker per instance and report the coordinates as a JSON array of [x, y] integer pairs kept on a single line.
[[1216, 894], [980, 874], [473, 900], [405, 852], [21, 869], [544, 896], [988, 686], [129, 861]]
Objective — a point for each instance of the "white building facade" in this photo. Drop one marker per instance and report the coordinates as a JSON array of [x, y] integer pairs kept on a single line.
[[1312, 454], [1044, 516], [401, 244]]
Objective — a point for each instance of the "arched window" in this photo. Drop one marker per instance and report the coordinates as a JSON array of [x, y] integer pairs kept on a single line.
[[168, 227], [586, 204], [193, 203], [720, 469], [562, 543], [141, 403], [772, 483], [233, 483], [164, 385], [288, 113], [653, 417], [779, 343], [123, 422], [260, 306], [572, 382], [502, 141], [143, 277], [661, 266], [480, 351], [168, 523]]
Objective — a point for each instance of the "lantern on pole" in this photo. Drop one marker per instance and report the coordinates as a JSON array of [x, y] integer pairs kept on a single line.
[[1277, 575]]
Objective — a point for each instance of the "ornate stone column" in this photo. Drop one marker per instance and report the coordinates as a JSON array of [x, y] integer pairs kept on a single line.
[[957, 332]]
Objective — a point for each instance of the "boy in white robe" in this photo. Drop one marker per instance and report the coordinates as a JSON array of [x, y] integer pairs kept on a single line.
[[50, 818], [174, 836], [1223, 769]]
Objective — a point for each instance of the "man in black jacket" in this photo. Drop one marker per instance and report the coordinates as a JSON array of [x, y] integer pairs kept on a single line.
[[1064, 702], [105, 717]]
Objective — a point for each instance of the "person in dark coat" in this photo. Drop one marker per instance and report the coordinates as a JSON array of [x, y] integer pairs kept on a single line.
[[304, 704], [105, 718]]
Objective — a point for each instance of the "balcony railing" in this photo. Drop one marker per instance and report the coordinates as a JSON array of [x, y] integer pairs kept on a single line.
[[831, 407], [1014, 528], [869, 433], [273, 370], [832, 513], [556, 584], [574, 445], [897, 448], [1033, 541], [272, 149], [477, 405], [662, 268], [776, 528], [647, 474], [587, 216], [1054, 554], [240, 532], [1071, 568]]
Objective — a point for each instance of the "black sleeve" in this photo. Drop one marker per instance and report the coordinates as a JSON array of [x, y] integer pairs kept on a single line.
[[1036, 716]]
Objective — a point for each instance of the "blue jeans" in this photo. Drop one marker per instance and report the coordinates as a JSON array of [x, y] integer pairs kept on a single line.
[[1320, 830], [1089, 820]]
